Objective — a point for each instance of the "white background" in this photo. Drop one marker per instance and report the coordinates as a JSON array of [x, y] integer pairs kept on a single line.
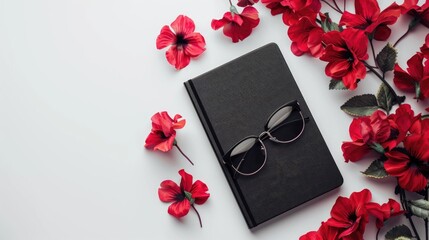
[[79, 81]]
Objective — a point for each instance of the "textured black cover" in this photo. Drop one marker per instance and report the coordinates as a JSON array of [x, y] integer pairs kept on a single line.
[[234, 101]]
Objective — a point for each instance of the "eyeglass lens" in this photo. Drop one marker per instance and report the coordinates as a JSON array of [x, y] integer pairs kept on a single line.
[[248, 156]]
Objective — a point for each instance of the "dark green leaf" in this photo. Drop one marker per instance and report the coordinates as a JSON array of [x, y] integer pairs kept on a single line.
[[361, 105], [385, 97], [386, 59], [420, 208], [328, 25], [376, 170], [336, 85], [400, 232]]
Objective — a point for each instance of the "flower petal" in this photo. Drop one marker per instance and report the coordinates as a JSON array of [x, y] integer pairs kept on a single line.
[[179, 209], [177, 57], [168, 191], [196, 45], [186, 181], [183, 25], [165, 38], [199, 192]]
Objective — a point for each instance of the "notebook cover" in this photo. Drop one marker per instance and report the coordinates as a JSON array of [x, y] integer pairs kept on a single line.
[[234, 101]]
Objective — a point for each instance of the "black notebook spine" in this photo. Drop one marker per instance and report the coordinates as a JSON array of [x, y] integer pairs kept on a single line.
[[219, 154]]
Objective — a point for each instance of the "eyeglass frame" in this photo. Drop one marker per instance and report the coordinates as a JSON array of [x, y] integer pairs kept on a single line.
[[266, 134]]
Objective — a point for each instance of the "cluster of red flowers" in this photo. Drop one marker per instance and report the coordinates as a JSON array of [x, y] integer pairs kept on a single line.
[[349, 217], [401, 138]]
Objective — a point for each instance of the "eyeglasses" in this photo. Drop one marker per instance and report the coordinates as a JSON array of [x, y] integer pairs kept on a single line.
[[249, 155]]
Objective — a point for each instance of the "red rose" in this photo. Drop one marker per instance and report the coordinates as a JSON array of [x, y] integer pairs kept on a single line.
[[409, 164], [237, 26], [183, 197], [369, 18], [306, 36], [344, 53], [350, 215], [184, 42], [416, 78]]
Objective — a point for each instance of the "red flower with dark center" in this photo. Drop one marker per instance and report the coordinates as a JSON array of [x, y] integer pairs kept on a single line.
[[184, 42], [369, 18], [367, 134], [344, 53], [384, 212], [237, 26], [350, 215], [243, 3], [306, 36], [416, 78], [185, 196], [162, 137], [411, 163]]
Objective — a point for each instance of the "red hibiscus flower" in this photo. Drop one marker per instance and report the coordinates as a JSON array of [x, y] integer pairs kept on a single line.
[[237, 26], [243, 3], [163, 133], [350, 215], [384, 211], [410, 164], [185, 196], [344, 53], [306, 36], [367, 134], [416, 78], [369, 18], [293, 10], [184, 42]]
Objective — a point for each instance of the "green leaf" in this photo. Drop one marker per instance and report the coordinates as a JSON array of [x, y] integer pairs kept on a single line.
[[188, 196], [420, 208], [385, 97], [335, 84], [386, 59], [361, 105], [328, 25], [376, 170], [400, 232]]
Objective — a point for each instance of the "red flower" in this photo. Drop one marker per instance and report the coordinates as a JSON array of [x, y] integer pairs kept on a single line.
[[344, 53], [410, 165], [243, 3], [325, 232], [416, 79], [425, 48], [183, 197], [368, 133], [350, 215], [404, 121], [184, 42], [369, 18], [306, 36], [293, 10], [384, 212], [237, 26], [420, 13], [163, 133]]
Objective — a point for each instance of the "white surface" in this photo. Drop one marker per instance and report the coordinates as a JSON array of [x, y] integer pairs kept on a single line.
[[79, 81]]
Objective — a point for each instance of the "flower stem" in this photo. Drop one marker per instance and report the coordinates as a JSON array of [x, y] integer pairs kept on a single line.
[[376, 236], [180, 150], [230, 3], [398, 99], [411, 26], [333, 7], [408, 214], [372, 49], [198, 214]]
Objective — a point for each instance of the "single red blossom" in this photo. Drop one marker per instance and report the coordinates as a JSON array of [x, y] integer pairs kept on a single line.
[[416, 78], [369, 133], [185, 196], [384, 212], [184, 42], [237, 26], [410, 164], [369, 18], [350, 215], [420, 13], [162, 137], [306, 36], [402, 121], [244, 3], [344, 53]]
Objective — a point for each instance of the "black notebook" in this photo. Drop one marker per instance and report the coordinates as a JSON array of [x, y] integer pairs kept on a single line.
[[234, 101]]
